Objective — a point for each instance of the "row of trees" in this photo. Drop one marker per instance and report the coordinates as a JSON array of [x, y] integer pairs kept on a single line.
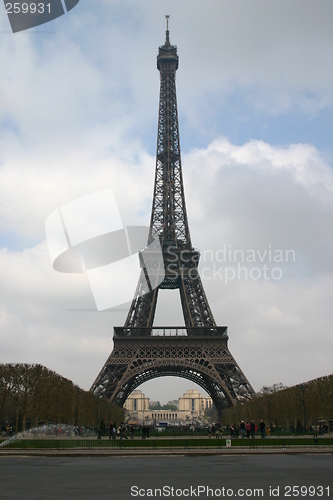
[[302, 405], [167, 406], [31, 394]]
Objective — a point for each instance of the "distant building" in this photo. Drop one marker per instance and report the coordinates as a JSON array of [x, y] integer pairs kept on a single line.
[[193, 401], [137, 402], [190, 406]]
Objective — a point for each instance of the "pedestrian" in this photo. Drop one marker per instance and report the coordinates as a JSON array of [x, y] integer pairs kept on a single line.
[[236, 431], [253, 429], [262, 427], [242, 429], [144, 432], [123, 431], [248, 429]]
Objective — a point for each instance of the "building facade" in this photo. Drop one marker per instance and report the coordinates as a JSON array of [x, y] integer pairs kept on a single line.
[[137, 402], [191, 406], [193, 401]]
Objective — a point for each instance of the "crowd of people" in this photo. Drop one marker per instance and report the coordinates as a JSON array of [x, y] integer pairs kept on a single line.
[[122, 431], [7, 430], [248, 430]]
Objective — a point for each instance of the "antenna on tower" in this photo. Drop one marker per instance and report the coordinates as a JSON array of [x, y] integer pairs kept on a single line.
[[167, 39]]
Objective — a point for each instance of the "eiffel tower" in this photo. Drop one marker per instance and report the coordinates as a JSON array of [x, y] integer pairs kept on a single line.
[[199, 350]]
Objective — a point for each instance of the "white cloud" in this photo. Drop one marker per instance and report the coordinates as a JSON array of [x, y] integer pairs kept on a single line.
[[98, 66], [261, 195], [30, 189]]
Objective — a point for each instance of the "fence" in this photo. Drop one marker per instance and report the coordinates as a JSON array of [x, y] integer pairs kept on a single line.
[[165, 444]]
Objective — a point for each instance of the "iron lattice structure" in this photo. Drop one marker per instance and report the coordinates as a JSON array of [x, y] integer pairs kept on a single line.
[[198, 351]]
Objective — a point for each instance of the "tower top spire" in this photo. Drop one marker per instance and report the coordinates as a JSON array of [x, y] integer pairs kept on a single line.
[[167, 37], [167, 58]]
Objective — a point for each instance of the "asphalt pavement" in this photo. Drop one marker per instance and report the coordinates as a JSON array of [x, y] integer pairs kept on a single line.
[[127, 477]]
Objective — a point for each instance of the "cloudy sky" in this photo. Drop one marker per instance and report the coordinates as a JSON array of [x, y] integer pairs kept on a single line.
[[78, 114]]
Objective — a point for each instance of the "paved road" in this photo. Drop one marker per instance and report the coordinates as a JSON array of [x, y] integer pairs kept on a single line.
[[113, 477]]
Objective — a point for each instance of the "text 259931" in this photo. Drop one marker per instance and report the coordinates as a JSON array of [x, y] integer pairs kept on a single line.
[[28, 8]]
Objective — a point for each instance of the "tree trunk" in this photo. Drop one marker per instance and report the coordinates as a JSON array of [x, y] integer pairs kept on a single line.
[[3, 405], [24, 417]]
